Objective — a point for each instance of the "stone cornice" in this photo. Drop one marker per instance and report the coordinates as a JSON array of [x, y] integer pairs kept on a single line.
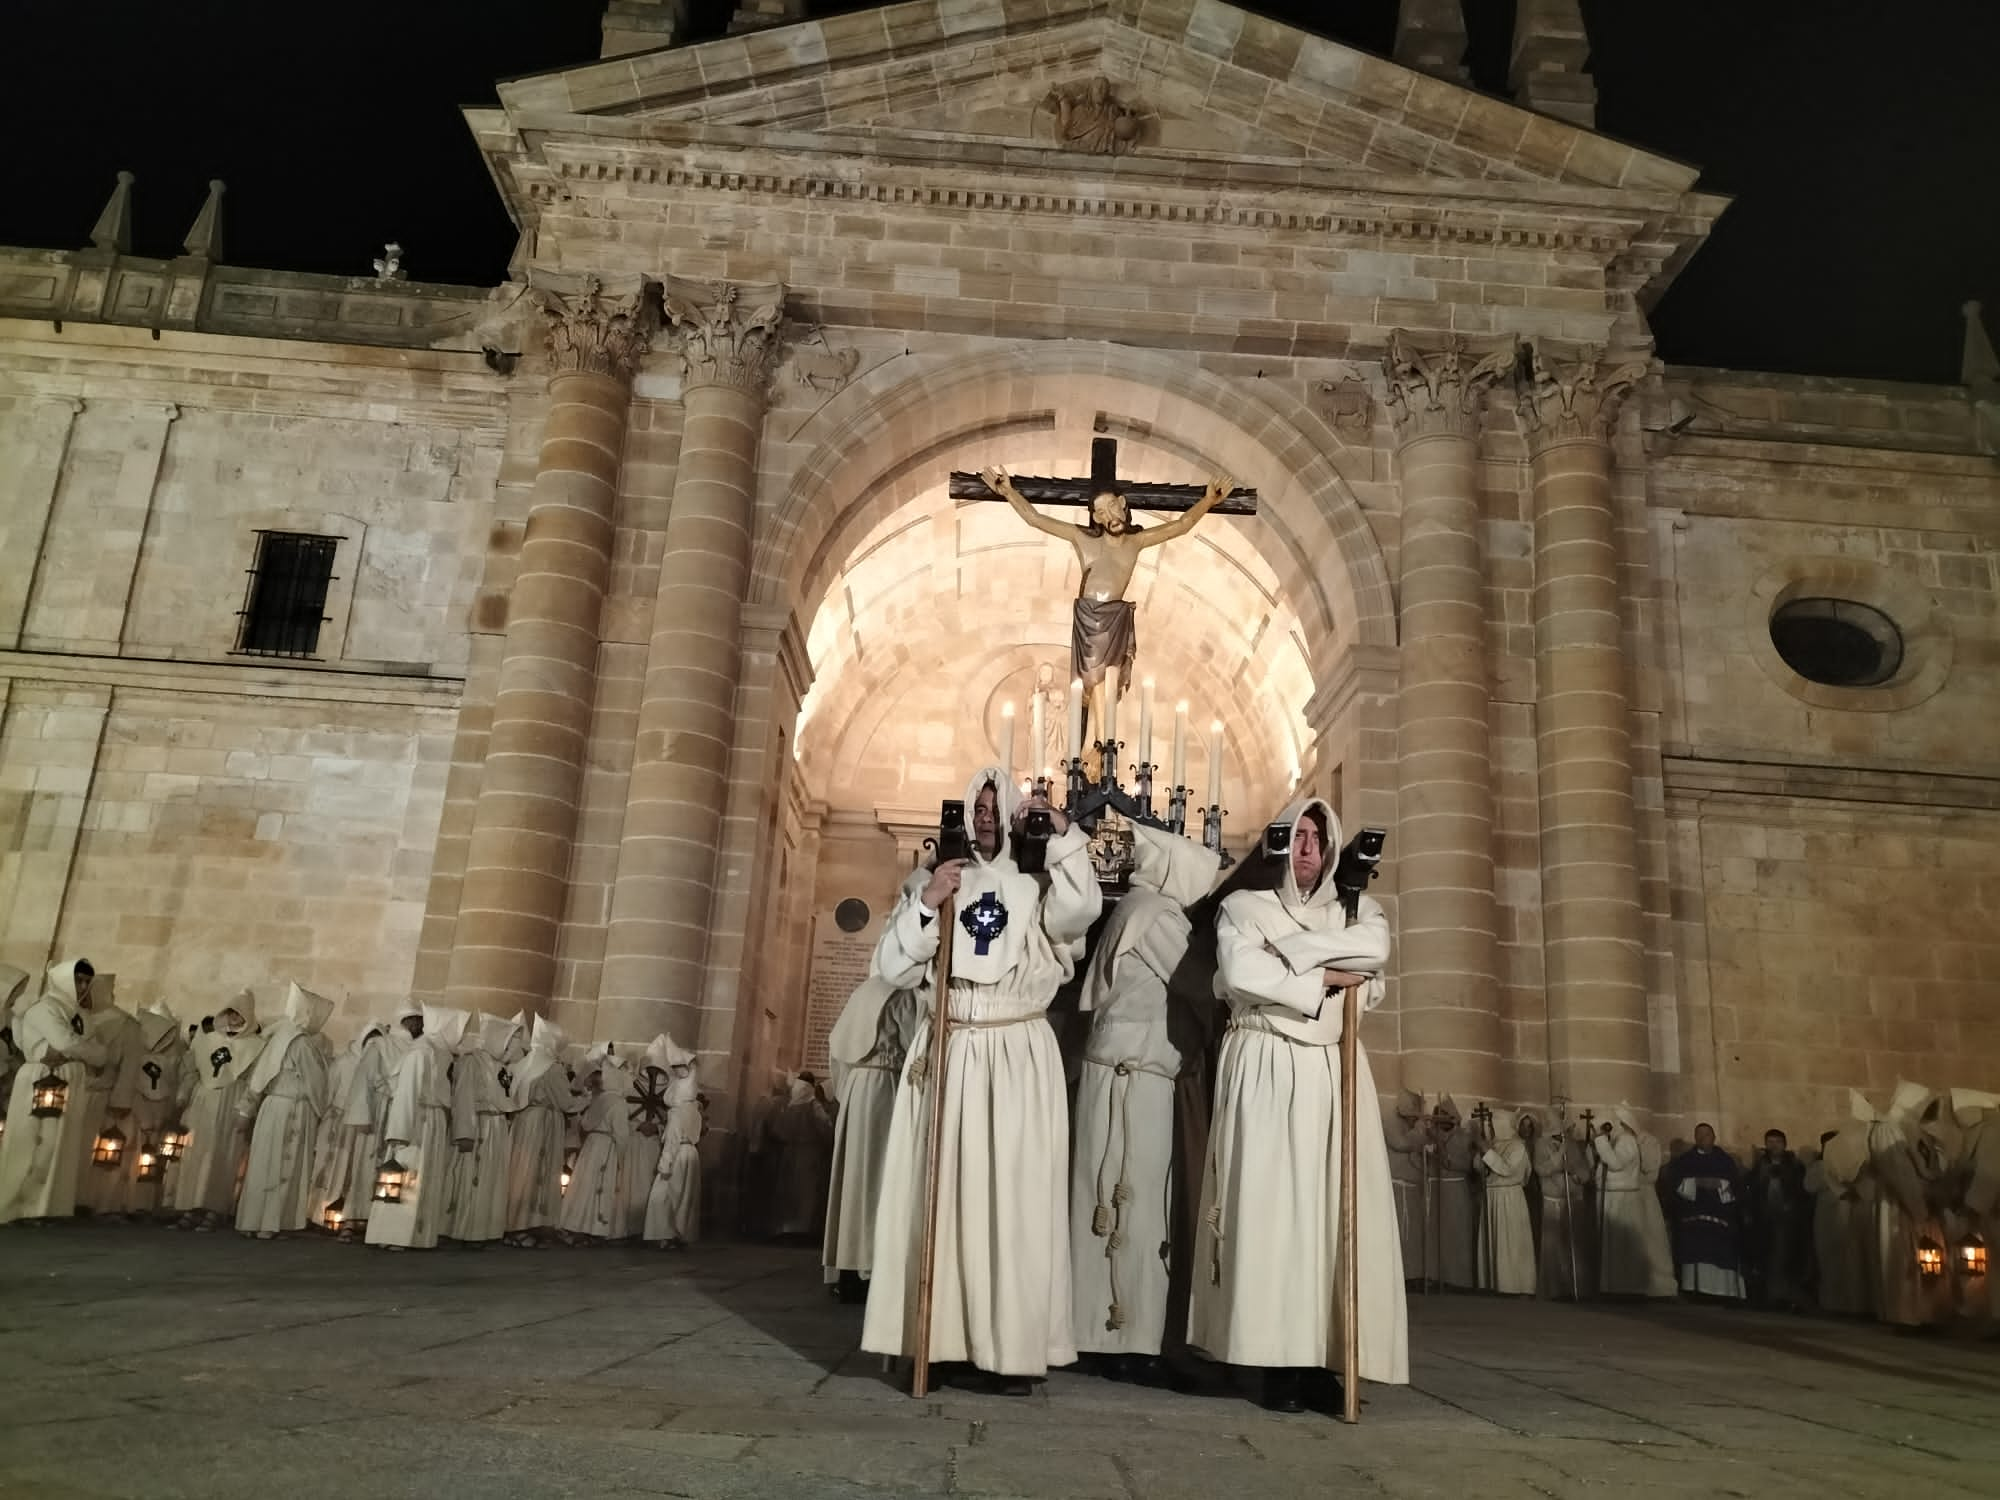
[[1573, 401], [247, 676], [1723, 777], [1236, 194], [1439, 393]]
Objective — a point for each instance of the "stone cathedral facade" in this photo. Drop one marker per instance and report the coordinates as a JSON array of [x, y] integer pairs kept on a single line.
[[583, 644]]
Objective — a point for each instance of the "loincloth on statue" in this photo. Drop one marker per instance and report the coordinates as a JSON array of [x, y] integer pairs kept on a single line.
[[1102, 635]]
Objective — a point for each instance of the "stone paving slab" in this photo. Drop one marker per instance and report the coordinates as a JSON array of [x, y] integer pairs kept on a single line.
[[140, 1364]]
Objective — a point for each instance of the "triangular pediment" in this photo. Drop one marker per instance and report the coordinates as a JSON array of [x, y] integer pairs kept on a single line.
[[1161, 78]]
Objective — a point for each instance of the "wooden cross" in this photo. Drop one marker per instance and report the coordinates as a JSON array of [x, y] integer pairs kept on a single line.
[[1165, 498]]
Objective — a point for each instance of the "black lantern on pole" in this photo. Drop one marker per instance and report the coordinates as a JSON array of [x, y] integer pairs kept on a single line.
[[50, 1096], [390, 1180], [109, 1149]]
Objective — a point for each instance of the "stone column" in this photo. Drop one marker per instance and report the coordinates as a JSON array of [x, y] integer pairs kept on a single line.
[[524, 821], [1598, 1041], [656, 948], [1446, 948]]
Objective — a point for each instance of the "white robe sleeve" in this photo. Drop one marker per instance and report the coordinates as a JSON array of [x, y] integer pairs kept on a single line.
[[1361, 947], [908, 948], [1074, 899], [406, 1104], [465, 1090], [1252, 973], [1619, 1153]]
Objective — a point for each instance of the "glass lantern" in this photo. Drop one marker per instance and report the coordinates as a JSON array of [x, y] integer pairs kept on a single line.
[[174, 1143], [569, 1162], [1972, 1255], [50, 1096], [334, 1216], [151, 1168], [109, 1150], [390, 1180], [1930, 1259]]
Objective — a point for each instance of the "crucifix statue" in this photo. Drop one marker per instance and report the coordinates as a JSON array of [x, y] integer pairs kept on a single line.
[[1102, 634]]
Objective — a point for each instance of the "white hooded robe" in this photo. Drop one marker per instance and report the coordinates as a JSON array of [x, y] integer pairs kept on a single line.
[[286, 1094], [417, 1133], [218, 1061], [1506, 1231], [1121, 1171], [1265, 1272], [479, 1134], [594, 1206], [539, 1102], [1634, 1256], [1001, 1288], [40, 1159], [673, 1200], [867, 1049], [112, 1088]]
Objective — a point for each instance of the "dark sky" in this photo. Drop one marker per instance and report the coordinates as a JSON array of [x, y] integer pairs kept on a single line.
[[1859, 139]]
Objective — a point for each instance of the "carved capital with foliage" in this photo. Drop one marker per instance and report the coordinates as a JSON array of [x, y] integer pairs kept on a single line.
[[592, 334], [1438, 393], [728, 335], [1573, 401]]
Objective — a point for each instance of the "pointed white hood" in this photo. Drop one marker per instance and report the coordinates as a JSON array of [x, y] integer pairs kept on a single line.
[[445, 1026], [305, 1014], [496, 1035], [1007, 799], [545, 1045], [1177, 867]]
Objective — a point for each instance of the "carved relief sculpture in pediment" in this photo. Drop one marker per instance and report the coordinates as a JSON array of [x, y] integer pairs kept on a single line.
[[1090, 117]]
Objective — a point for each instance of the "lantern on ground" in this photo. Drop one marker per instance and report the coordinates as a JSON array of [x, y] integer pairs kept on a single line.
[[569, 1161], [334, 1216], [390, 1180], [1930, 1259], [151, 1168], [50, 1095], [109, 1149], [174, 1143], [1972, 1255]]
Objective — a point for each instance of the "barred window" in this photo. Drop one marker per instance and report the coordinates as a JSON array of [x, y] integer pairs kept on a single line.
[[286, 602]]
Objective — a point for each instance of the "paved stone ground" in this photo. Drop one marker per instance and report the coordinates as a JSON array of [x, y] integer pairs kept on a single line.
[[136, 1362]]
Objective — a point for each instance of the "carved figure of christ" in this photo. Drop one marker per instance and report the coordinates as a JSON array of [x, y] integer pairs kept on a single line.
[[1102, 634]]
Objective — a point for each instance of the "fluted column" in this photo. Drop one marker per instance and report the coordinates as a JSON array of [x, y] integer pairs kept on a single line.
[[1598, 1043], [524, 822], [657, 943], [1447, 950]]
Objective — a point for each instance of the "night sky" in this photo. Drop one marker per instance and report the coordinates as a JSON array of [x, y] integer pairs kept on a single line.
[[1859, 140]]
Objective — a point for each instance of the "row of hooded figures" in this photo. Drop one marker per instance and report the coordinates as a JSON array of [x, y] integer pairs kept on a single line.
[[1887, 1220], [433, 1124]]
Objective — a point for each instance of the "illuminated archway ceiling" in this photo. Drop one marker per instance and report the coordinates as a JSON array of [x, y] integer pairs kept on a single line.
[[948, 610]]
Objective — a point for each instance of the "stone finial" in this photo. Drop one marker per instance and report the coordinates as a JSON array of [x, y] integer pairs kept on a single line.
[[1438, 394], [721, 343], [642, 26], [761, 15], [1979, 366], [204, 241], [389, 264], [1547, 68], [1430, 37], [113, 230], [591, 334], [1579, 403]]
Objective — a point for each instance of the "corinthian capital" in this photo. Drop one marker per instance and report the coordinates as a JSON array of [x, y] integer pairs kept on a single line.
[[592, 334], [728, 334], [1571, 403], [1439, 394]]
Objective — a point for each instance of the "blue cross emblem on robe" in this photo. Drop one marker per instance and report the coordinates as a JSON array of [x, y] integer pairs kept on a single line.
[[985, 920]]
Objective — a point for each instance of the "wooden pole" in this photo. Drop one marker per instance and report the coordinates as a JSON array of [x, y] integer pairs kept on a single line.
[[1349, 1289], [920, 1375]]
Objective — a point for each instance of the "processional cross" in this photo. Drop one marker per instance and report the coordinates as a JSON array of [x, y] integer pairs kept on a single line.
[[1102, 635]]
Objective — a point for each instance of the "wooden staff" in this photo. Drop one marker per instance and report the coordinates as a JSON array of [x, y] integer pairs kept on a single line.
[[920, 1376], [1349, 1288]]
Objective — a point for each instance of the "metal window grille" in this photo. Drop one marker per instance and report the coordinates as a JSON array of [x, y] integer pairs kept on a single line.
[[286, 601]]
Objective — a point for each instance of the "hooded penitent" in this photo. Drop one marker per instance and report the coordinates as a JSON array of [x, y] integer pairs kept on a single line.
[[305, 1015], [41, 1156]]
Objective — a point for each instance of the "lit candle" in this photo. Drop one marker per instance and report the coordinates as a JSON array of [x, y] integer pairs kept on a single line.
[[1075, 717], [1038, 746], [1215, 764], [1180, 743], [1146, 721], [1007, 741], [1110, 705]]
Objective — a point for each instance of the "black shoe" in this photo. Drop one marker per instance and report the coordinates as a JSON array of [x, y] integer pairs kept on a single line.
[[850, 1289], [1013, 1385], [1282, 1391]]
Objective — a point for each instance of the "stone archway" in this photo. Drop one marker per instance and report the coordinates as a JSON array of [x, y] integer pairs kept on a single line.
[[892, 437]]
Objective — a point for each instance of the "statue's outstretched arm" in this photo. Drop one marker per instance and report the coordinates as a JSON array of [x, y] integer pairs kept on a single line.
[[1181, 525], [998, 481]]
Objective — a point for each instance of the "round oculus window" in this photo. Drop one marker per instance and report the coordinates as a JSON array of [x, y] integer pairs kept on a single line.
[[851, 915], [1837, 642]]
